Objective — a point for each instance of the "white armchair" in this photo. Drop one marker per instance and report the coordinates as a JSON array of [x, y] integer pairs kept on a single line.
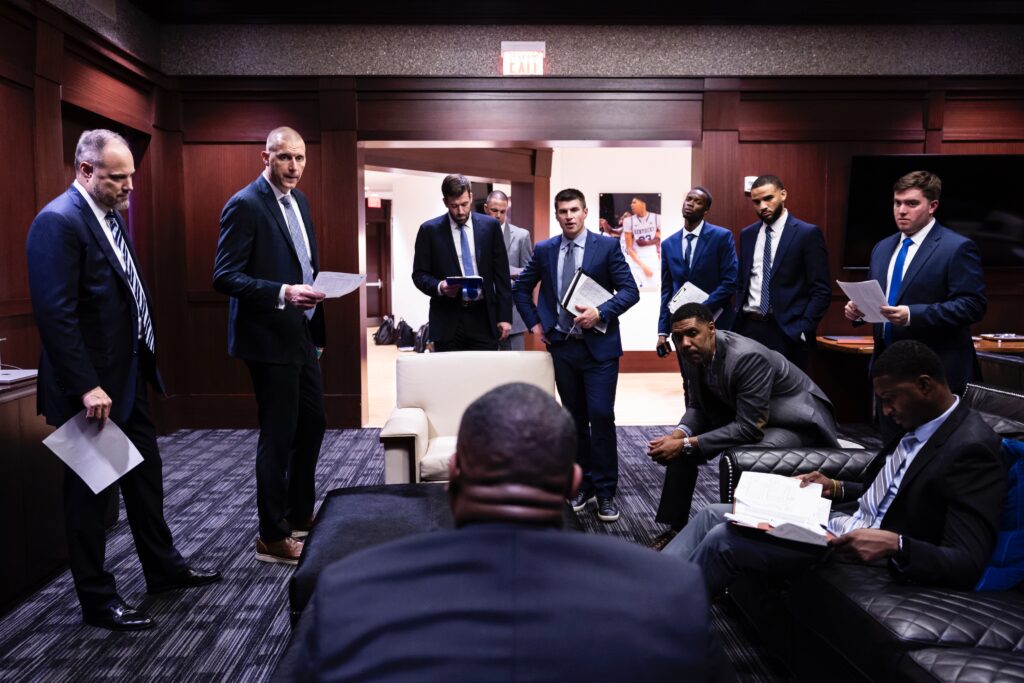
[[434, 389]]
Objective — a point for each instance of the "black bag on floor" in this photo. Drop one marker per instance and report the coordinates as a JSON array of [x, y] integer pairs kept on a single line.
[[405, 336], [422, 338], [385, 334]]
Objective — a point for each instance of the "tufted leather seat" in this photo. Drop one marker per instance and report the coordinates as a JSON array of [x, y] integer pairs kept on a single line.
[[846, 464], [962, 666]]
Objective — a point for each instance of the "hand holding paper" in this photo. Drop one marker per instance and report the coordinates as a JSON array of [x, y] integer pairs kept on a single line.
[[868, 297], [99, 456], [337, 284]]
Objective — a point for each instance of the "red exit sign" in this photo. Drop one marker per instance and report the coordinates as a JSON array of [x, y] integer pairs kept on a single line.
[[522, 58]]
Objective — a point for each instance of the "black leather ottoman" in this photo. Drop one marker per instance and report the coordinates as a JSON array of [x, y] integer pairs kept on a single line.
[[962, 666]]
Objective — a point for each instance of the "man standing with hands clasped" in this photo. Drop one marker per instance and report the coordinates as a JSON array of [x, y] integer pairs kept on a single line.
[[586, 361], [266, 262]]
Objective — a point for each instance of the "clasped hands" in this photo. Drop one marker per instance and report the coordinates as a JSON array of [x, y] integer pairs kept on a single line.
[[897, 315], [665, 449], [863, 545]]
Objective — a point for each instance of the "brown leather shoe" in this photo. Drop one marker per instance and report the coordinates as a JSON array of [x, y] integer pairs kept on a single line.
[[302, 529], [285, 551], [663, 540]]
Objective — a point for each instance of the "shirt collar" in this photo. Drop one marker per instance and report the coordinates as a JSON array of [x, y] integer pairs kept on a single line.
[[696, 231], [920, 235], [580, 240], [780, 222], [101, 214], [928, 429], [277, 193], [455, 226]]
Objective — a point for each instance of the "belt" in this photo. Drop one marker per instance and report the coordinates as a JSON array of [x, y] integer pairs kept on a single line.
[[758, 316], [467, 304]]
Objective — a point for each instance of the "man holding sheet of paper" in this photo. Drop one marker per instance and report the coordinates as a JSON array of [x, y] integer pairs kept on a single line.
[[266, 262], [932, 278], [702, 255], [94, 314], [928, 506], [586, 360]]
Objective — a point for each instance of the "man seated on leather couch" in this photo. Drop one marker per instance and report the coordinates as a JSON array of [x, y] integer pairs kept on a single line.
[[506, 595], [928, 510]]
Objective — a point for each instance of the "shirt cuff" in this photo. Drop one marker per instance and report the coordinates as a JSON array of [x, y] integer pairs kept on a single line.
[[908, 317], [280, 297], [685, 430], [439, 292]]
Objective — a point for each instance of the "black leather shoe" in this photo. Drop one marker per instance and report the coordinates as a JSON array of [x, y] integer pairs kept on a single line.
[[189, 577], [117, 616], [582, 498]]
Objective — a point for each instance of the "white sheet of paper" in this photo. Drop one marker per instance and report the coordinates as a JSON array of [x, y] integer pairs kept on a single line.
[[337, 284], [776, 499], [689, 293], [588, 294], [868, 296], [99, 456]]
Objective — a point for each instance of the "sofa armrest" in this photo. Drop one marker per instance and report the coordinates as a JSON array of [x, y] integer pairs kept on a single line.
[[404, 437], [846, 464]]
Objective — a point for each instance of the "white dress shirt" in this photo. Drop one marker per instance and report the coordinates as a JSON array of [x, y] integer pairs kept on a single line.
[[101, 216], [756, 276], [917, 240], [696, 238]]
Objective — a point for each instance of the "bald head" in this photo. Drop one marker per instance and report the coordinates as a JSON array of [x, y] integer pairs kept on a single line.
[[284, 158]]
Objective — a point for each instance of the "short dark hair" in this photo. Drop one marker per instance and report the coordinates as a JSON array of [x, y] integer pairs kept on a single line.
[[455, 185], [706, 192], [926, 181], [768, 179], [91, 145], [569, 194], [907, 360], [517, 434], [693, 310], [496, 195]]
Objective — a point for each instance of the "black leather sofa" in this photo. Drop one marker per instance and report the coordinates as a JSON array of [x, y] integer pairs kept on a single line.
[[844, 622]]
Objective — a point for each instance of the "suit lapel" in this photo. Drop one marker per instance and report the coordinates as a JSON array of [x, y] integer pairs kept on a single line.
[[307, 221], [698, 248], [99, 235], [589, 247], [556, 253], [882, 272], [920, 258], [478, 240], [272, 206], [787, 238], [507, 234], [933, 445]]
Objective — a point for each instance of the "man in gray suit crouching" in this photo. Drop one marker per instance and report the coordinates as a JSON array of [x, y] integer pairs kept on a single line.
[[738, 392], [519, 246]]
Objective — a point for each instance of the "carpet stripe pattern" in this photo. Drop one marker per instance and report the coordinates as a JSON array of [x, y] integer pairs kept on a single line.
[[237, 629]]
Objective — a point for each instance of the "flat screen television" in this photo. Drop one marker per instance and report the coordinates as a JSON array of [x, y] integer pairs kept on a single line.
[[979, 200]]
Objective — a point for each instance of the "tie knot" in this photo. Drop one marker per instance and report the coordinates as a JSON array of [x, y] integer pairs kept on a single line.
[[287, 201], [462, 226], [690, 237], [907, 242], [768, 228]]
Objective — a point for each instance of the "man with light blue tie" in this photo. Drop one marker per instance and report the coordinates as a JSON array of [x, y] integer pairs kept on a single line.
[[933, 280], [703, 254], [927, 507], [464, 243]]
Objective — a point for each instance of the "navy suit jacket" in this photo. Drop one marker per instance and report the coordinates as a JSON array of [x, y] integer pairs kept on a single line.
[[255, 256], [436, 259], [505, 602], [87, 317], [712, 268], [944, 287], [602, 261], [800, 286]]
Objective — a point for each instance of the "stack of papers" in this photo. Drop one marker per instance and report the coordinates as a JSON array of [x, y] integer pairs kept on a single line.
[[781, 507], [584, 291], [689, 293]]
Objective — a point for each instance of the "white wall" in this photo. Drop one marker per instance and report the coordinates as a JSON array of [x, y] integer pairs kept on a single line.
[[414, 199], [628, 169]]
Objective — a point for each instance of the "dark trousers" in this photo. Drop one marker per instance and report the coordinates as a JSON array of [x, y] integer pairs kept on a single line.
[[142, 489], [769, 333], [290, 398], [587, 388], [473, 332], [681, 474]]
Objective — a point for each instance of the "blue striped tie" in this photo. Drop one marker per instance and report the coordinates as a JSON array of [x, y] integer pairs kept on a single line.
[[766, 273], [295, 232], [134, 283], [866, 516], [894, 286]]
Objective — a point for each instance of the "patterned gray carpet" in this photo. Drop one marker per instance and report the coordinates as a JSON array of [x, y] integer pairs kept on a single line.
[[236, 630]]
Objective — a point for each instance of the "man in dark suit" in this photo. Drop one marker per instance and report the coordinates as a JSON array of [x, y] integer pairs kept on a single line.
[[784, 287], [93, 311], [586, 360], [463, 243], [266, 262], [519, 247], [506, 595], [737, 393], [703, 254], [939, 291], [930, 509]]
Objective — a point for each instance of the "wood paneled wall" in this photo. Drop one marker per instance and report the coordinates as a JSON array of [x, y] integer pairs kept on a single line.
[[200, 140]]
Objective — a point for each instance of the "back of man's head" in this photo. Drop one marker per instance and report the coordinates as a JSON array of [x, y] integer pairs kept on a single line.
[[514, 458], [907, 360]]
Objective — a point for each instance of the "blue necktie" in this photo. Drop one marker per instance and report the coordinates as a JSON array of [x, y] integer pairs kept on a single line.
[[688, 253], [894, 286], [565, 318], [145, 324], [766, 273], [295, 232], [467, 255]]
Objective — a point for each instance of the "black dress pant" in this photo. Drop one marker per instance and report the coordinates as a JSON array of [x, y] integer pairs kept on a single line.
[[473, 331], [290, 400], [768, 332], [142, 489]]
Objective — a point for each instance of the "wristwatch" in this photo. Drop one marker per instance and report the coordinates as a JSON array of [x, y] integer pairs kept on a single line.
[[687, 446]]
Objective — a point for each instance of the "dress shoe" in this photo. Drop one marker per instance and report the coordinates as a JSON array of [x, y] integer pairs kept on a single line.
[[117, 616], [581, 500], [285, 551], [302, 529], [607, 510], [189, 577], [662, 540]]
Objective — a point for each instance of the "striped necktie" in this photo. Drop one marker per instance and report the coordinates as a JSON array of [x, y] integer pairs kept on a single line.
[[134, 283], [295, 232], [765, 305], [866, 516]]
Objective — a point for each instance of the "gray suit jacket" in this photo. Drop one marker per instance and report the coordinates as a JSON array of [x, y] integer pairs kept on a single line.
[[747, 389], [520, 250]]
